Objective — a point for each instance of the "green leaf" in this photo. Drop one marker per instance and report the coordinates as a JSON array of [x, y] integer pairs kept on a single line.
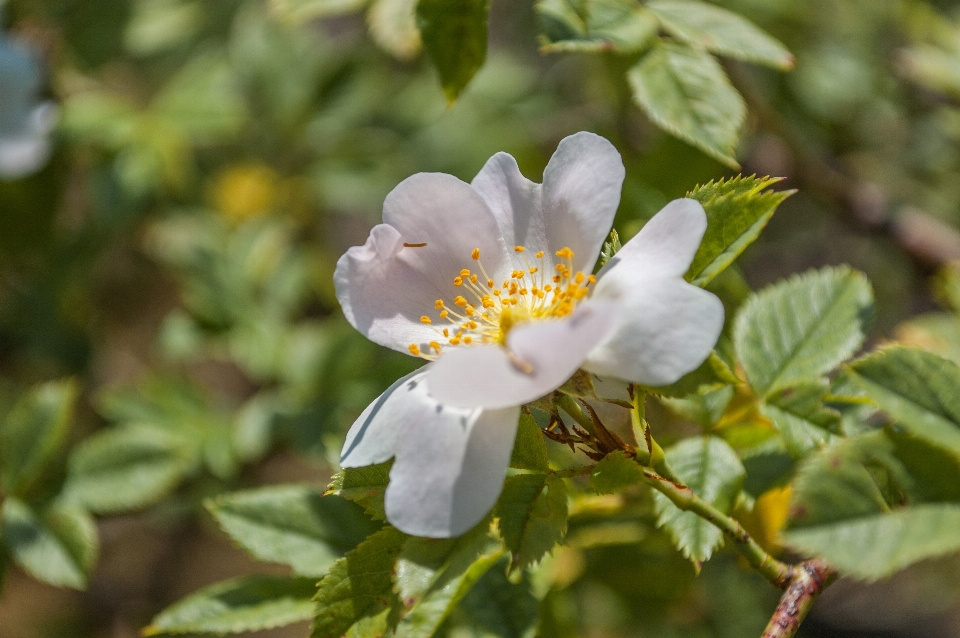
[[842, 500], [34, 433], [127, 468], [433, 575], [533, 515], [917, 389], [705, 409], [686, 92], [358, 587], [737, 210], [614, 473], [799, 414], [364, 486], [501, 608], [875, 547], [800, 329], [720, 31], [454, 34], [299, 11], [57, 545], [836, 483], [529, 448], [250, 603], [292, 524], [393, 26], [714, 373], [709, 467], [592, 26]]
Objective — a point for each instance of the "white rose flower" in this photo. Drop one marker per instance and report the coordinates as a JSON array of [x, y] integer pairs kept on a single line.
[[491, 282]]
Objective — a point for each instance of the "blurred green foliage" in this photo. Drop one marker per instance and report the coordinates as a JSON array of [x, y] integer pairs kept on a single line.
[[173, 263]]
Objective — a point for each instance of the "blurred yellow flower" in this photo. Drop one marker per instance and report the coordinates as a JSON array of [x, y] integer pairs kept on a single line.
[[244, 191], [769, 515]]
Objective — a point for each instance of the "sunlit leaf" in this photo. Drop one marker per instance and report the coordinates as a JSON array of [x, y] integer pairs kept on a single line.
[[393, 26], [454, 34], [802, 328], [529, 448], [34, 433], [709, 467], [358, 587], [292, 524], [250, 603], [363, 485], [738, 209], [57, 544], [592, 26], [916, 388], [799, 414], [127, 468], [720, 31], [686, 92], [614, 473], [533, 515]]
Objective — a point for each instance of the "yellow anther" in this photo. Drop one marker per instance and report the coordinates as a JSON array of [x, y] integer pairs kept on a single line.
[[592, 279], [455, 341], [444, 314], [565, 253], [548, 288], [425, 319], [460, 301], [473, 279], [489, 283], [497, 292], [458, 281], [438, 304], [518, 249], [475, 254], [436, 346], [556, 279], [468, 339], [523, 291], [533, 270], [540, 255], [470, 310], [579, 278], [414, 349], [473, 325], [465, 273], [446, 332]]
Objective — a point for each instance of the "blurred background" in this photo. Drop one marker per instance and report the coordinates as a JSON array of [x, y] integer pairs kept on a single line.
[[192, 169]]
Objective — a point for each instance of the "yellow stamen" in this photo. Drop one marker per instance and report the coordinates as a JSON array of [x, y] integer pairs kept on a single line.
[[475, 254], [414, 349], [425, 319]]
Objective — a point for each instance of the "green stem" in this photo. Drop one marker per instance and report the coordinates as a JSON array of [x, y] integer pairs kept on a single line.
[[778, 573]]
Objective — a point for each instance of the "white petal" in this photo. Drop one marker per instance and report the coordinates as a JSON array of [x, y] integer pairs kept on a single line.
[[373, 436], [384, 287], [452, 219], [668, 330], [381, 294], [538, 359], [516, 202], [581, 192], [449, 470], [666, 245]]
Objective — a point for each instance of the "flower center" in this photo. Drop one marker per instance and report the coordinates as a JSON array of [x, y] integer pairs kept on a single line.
[[485, 311]]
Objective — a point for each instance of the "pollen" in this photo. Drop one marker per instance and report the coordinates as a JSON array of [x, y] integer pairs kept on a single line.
[[486, 315]]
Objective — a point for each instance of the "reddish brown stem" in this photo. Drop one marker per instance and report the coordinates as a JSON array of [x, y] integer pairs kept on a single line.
[[806, 582]]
